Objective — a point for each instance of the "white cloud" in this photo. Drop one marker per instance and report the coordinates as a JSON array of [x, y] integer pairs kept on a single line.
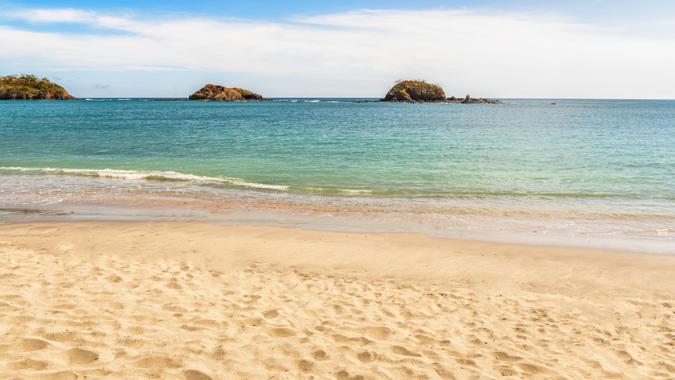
[[361, 53]]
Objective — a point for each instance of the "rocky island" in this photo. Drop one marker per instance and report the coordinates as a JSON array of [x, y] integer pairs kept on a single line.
[[29, 87], [413, 91], [224, 94], [417, 91]]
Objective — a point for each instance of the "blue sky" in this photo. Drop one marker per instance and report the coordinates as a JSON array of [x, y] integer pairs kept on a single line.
[[508, 48], [604, 11]]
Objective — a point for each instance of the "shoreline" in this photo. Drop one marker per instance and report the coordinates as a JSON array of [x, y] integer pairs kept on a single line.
[[200, 300], [459, 220]]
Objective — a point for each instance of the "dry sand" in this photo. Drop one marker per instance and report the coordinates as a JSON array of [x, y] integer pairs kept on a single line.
[[197, 301]]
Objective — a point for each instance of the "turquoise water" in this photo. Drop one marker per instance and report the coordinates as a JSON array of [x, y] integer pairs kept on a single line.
[[613, 159]]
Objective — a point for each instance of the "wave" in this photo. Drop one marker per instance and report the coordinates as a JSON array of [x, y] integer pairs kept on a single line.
[[337, 191], [169, 176], [107, 99], [234, 182], [310, 100], [173, 176]]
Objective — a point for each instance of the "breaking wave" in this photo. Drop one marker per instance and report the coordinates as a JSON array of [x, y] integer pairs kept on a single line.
[[169, 176], [173, 176]]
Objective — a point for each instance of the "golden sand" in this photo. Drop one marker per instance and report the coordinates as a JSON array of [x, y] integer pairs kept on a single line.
[[198, 301]]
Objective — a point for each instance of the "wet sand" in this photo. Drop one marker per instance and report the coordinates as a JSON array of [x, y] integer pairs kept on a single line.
[[198, 300]]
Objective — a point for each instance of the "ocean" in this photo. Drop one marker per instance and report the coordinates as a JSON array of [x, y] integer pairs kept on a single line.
[[587, 172]]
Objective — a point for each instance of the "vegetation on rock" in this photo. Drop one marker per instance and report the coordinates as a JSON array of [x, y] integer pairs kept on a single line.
[[412, 91], [29, 87], [226, 94]]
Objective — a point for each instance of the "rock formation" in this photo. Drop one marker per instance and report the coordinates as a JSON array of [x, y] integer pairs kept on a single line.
[[225, 94], [29, 87], [469, 100], [416, 91], [413, 91]]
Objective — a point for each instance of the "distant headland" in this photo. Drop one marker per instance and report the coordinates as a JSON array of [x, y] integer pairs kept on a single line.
[[29, 87]]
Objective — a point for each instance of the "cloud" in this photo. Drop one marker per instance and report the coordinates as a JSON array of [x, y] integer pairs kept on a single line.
[[360, 53]]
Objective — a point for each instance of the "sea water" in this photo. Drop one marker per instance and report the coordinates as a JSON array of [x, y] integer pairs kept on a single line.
[[590, 169]]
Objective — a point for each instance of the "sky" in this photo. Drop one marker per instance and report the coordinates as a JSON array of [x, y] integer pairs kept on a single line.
[[349, 48]]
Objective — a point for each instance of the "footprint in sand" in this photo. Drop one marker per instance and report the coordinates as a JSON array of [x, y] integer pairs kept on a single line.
[[529, 369], [61, 375], [376, 332], [366, 356], [506, 371], [345, 339], [38, 365], [193, 374], [31, 344], [282, 332], [503, 356], [344, 375], [305, 365], [269, 314], [320, 355], [156, 362], [174, 285], [627, 358], [80, 356], [403, 351], [208, 323], [114, 279]]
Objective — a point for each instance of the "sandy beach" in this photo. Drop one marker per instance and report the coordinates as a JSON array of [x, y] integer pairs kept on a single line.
[[197, 301], [354, 190]]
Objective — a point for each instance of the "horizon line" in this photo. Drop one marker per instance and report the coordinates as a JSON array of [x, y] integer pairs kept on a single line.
[[325, 97]]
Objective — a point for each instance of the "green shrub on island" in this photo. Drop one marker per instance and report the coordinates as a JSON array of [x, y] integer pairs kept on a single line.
[[30, 87]]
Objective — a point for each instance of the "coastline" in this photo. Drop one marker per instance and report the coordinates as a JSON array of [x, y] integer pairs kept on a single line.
[[197, 299]]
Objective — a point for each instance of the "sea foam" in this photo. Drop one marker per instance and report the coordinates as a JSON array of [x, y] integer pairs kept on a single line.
[[172, 176]]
